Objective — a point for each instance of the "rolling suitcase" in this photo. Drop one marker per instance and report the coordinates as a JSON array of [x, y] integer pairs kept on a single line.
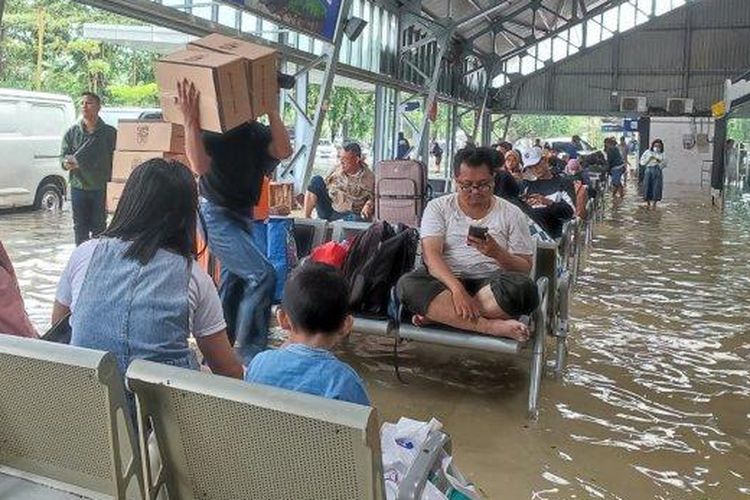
[[400, 191]]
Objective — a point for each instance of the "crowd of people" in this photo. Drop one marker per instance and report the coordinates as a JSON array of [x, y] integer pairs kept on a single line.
[[133, 287]]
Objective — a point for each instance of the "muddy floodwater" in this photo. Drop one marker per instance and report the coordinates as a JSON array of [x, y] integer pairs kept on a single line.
[[655, 400]]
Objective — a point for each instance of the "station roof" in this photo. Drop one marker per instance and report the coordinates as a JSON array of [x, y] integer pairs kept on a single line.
[[503, 27]]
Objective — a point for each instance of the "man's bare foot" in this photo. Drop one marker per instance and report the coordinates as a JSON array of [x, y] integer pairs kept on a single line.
[[419, 320], [509, 328]]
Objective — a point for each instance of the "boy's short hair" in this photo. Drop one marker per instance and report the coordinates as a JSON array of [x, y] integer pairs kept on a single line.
[[316, 299]]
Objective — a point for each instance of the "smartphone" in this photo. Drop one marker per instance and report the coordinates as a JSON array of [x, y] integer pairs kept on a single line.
[[478, 232]]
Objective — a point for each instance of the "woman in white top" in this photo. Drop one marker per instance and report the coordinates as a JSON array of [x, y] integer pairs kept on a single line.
[[136, 291], [654, 161]]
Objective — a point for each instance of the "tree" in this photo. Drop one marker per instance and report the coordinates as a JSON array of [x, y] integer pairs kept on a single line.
[[43, 50]]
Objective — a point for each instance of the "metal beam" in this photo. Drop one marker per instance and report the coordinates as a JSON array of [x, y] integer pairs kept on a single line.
[[482, 12], [170, 17], [589, 16], [421, 142], [313, 135]]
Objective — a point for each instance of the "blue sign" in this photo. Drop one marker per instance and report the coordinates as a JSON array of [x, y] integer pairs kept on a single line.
[[630, 124], [314, 17]]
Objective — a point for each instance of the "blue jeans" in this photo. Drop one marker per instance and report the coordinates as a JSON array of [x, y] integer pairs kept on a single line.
[[247, 278], [324, 206], [89, 213]]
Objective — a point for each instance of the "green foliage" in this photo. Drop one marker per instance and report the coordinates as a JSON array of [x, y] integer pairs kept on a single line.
[[308, 8], [70, 63], [146, 95], [546, 126], [739, 129]]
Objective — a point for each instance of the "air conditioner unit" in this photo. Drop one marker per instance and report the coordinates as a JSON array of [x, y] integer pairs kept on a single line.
[[680, 106], [633, 104]]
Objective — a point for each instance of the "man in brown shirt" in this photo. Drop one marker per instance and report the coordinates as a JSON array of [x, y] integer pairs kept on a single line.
[[347, 193]]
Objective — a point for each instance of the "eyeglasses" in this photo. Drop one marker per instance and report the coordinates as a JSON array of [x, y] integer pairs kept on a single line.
[[484, 187]]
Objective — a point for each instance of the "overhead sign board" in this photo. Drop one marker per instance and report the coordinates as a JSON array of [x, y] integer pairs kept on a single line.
[[313, 17], [719, 109]]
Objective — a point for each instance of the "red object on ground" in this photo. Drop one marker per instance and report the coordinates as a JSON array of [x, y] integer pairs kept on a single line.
[[332, 253]]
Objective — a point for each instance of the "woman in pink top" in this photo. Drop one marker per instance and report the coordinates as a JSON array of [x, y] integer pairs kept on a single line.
[[13, 317]]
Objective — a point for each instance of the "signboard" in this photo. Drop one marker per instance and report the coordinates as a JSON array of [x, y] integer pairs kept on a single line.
[[719, 109], [313, 17]]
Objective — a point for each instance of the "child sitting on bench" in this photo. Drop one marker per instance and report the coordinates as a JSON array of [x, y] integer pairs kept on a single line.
[[315, 312]]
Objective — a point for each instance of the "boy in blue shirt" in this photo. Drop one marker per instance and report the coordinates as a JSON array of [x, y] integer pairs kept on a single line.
[[315, 312]]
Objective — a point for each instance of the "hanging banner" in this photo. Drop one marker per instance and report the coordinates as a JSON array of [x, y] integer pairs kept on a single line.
[[313, 17]]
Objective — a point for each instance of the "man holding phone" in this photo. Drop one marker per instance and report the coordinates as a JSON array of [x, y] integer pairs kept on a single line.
[[478, 253], [548, 198], [87, 151]]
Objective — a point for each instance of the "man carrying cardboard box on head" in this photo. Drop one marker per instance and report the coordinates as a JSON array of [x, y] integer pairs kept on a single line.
[[231, 168]]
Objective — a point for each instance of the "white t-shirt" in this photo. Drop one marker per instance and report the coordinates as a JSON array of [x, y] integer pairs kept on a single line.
[[507, 224], [206, 313]]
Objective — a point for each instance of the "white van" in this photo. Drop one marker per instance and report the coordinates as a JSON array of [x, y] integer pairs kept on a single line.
[[32, 125]]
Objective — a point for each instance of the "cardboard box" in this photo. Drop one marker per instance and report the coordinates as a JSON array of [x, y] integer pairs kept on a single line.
[[125, 162], [135, 135], [114, 193], [261, 65], [282, 195], [221, 80]]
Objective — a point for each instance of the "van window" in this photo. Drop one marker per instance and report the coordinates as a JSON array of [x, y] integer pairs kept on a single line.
[[47, 120], [8, 117]]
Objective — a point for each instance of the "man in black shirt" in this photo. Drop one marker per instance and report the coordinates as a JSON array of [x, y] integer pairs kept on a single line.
[[547, 197], [231, 168]]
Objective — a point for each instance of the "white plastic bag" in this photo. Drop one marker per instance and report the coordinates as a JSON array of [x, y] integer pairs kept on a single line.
[[401, 444]]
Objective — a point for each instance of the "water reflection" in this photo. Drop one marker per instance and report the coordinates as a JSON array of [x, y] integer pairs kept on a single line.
[[656, 399]]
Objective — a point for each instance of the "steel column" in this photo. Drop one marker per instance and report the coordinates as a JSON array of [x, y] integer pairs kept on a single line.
[[381, 112], [313, 133], [302, 124]]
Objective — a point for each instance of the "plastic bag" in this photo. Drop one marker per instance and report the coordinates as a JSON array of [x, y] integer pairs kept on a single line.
[[332, 253], [401, 443], [275, 238]]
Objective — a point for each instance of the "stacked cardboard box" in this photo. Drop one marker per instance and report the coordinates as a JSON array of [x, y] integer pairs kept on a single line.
[[237, 81], [138, 142]]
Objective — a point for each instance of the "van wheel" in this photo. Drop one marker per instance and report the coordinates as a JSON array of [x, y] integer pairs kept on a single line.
[[49, 198]]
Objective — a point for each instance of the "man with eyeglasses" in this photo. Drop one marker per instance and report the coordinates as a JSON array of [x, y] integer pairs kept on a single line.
[[477, 252], [548, 197]]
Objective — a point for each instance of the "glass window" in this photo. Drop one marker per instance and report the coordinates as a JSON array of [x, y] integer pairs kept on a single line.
[[8, 117], [593, 33], [575, 35], [514, 65], [47, 120], [643, 12], [627, 17], [544, 50], [228, 16], [249, 22], [203, 11], [559, 48]]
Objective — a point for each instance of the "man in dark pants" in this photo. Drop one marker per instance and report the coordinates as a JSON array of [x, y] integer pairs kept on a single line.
[[231, 168], [87, 151]]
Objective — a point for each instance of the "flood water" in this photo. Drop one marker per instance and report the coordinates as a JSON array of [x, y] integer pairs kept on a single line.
[[655, 400]]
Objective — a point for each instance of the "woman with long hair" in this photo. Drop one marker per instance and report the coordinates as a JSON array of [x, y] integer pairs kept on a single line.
[[136, 291], [654, 161]]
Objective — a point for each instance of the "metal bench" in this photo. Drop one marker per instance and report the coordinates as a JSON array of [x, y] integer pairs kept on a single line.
[[65, 427], [540, 325], [308, 234], [218, 437]]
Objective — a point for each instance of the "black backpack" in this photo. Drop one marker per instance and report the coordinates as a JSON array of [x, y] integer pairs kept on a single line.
[[377, 258]]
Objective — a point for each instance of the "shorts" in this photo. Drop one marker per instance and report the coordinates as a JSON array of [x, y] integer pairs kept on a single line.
[[515, 293]]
